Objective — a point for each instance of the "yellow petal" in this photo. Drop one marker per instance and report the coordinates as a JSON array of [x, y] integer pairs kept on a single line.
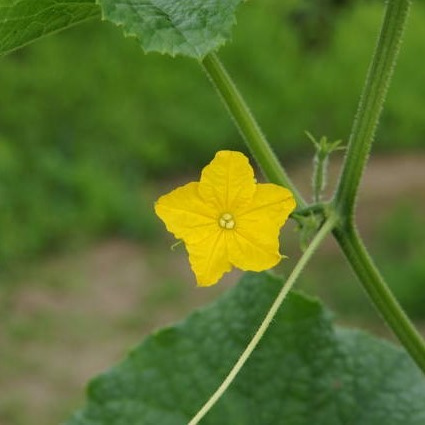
[[254, 244], [191, 218], [186, 214], [208, 257], [228, 181]]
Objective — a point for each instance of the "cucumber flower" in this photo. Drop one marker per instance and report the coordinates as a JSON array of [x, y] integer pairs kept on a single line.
[[227, 219]]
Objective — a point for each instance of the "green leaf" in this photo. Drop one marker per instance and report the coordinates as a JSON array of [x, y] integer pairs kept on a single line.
[[187, 27], [22, 21], [304, 372]]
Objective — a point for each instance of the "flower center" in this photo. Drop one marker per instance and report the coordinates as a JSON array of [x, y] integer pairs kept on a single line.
[[226, 221]]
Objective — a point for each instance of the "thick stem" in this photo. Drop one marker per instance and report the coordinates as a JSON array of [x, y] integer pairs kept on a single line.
[[371, 103], [363, 131], [248, 126], [325, 229], [381, 296]]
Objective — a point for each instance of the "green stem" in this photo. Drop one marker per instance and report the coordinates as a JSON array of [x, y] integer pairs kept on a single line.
[[319, 177], [371, 103], [319, 208], [247, 125], [364, 127], [325, 229], [361, 138], [373, 283]]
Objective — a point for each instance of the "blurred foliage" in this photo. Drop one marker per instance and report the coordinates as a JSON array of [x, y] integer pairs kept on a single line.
[[88, 120], [401, 252], [314, 21]]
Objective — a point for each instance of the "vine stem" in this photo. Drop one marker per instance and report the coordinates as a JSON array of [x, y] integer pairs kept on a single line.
[[371, 103], [378, 291], [248, 126], [343, 204], [361, 138], [321, 234]]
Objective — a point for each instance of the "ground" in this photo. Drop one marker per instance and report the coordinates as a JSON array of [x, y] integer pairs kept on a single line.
[[74, 314]]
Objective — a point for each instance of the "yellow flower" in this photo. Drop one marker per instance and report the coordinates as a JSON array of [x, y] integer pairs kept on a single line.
[[227, 219]]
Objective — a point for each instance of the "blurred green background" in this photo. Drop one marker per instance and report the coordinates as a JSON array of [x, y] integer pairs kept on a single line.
[[92, 131]]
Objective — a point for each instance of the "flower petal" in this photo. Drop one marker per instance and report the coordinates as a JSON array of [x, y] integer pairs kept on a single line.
[[254, 245], [186, 214], [208, 257], [228, 180], [191, 218]]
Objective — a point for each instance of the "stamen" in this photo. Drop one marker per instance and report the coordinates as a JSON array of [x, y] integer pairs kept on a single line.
[[226, 221]]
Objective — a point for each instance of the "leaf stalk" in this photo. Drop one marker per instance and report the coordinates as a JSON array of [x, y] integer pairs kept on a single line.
[[248, 126]]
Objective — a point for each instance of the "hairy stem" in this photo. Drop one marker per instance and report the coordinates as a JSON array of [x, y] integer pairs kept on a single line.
[[375, 286], [319, 177], [363, 131], [319, 208], [371, 103], [248, 126], [325, 229]]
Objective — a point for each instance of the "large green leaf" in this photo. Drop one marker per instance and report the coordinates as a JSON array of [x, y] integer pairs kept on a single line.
[[187, 27], [304, 372], [22, 21]]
